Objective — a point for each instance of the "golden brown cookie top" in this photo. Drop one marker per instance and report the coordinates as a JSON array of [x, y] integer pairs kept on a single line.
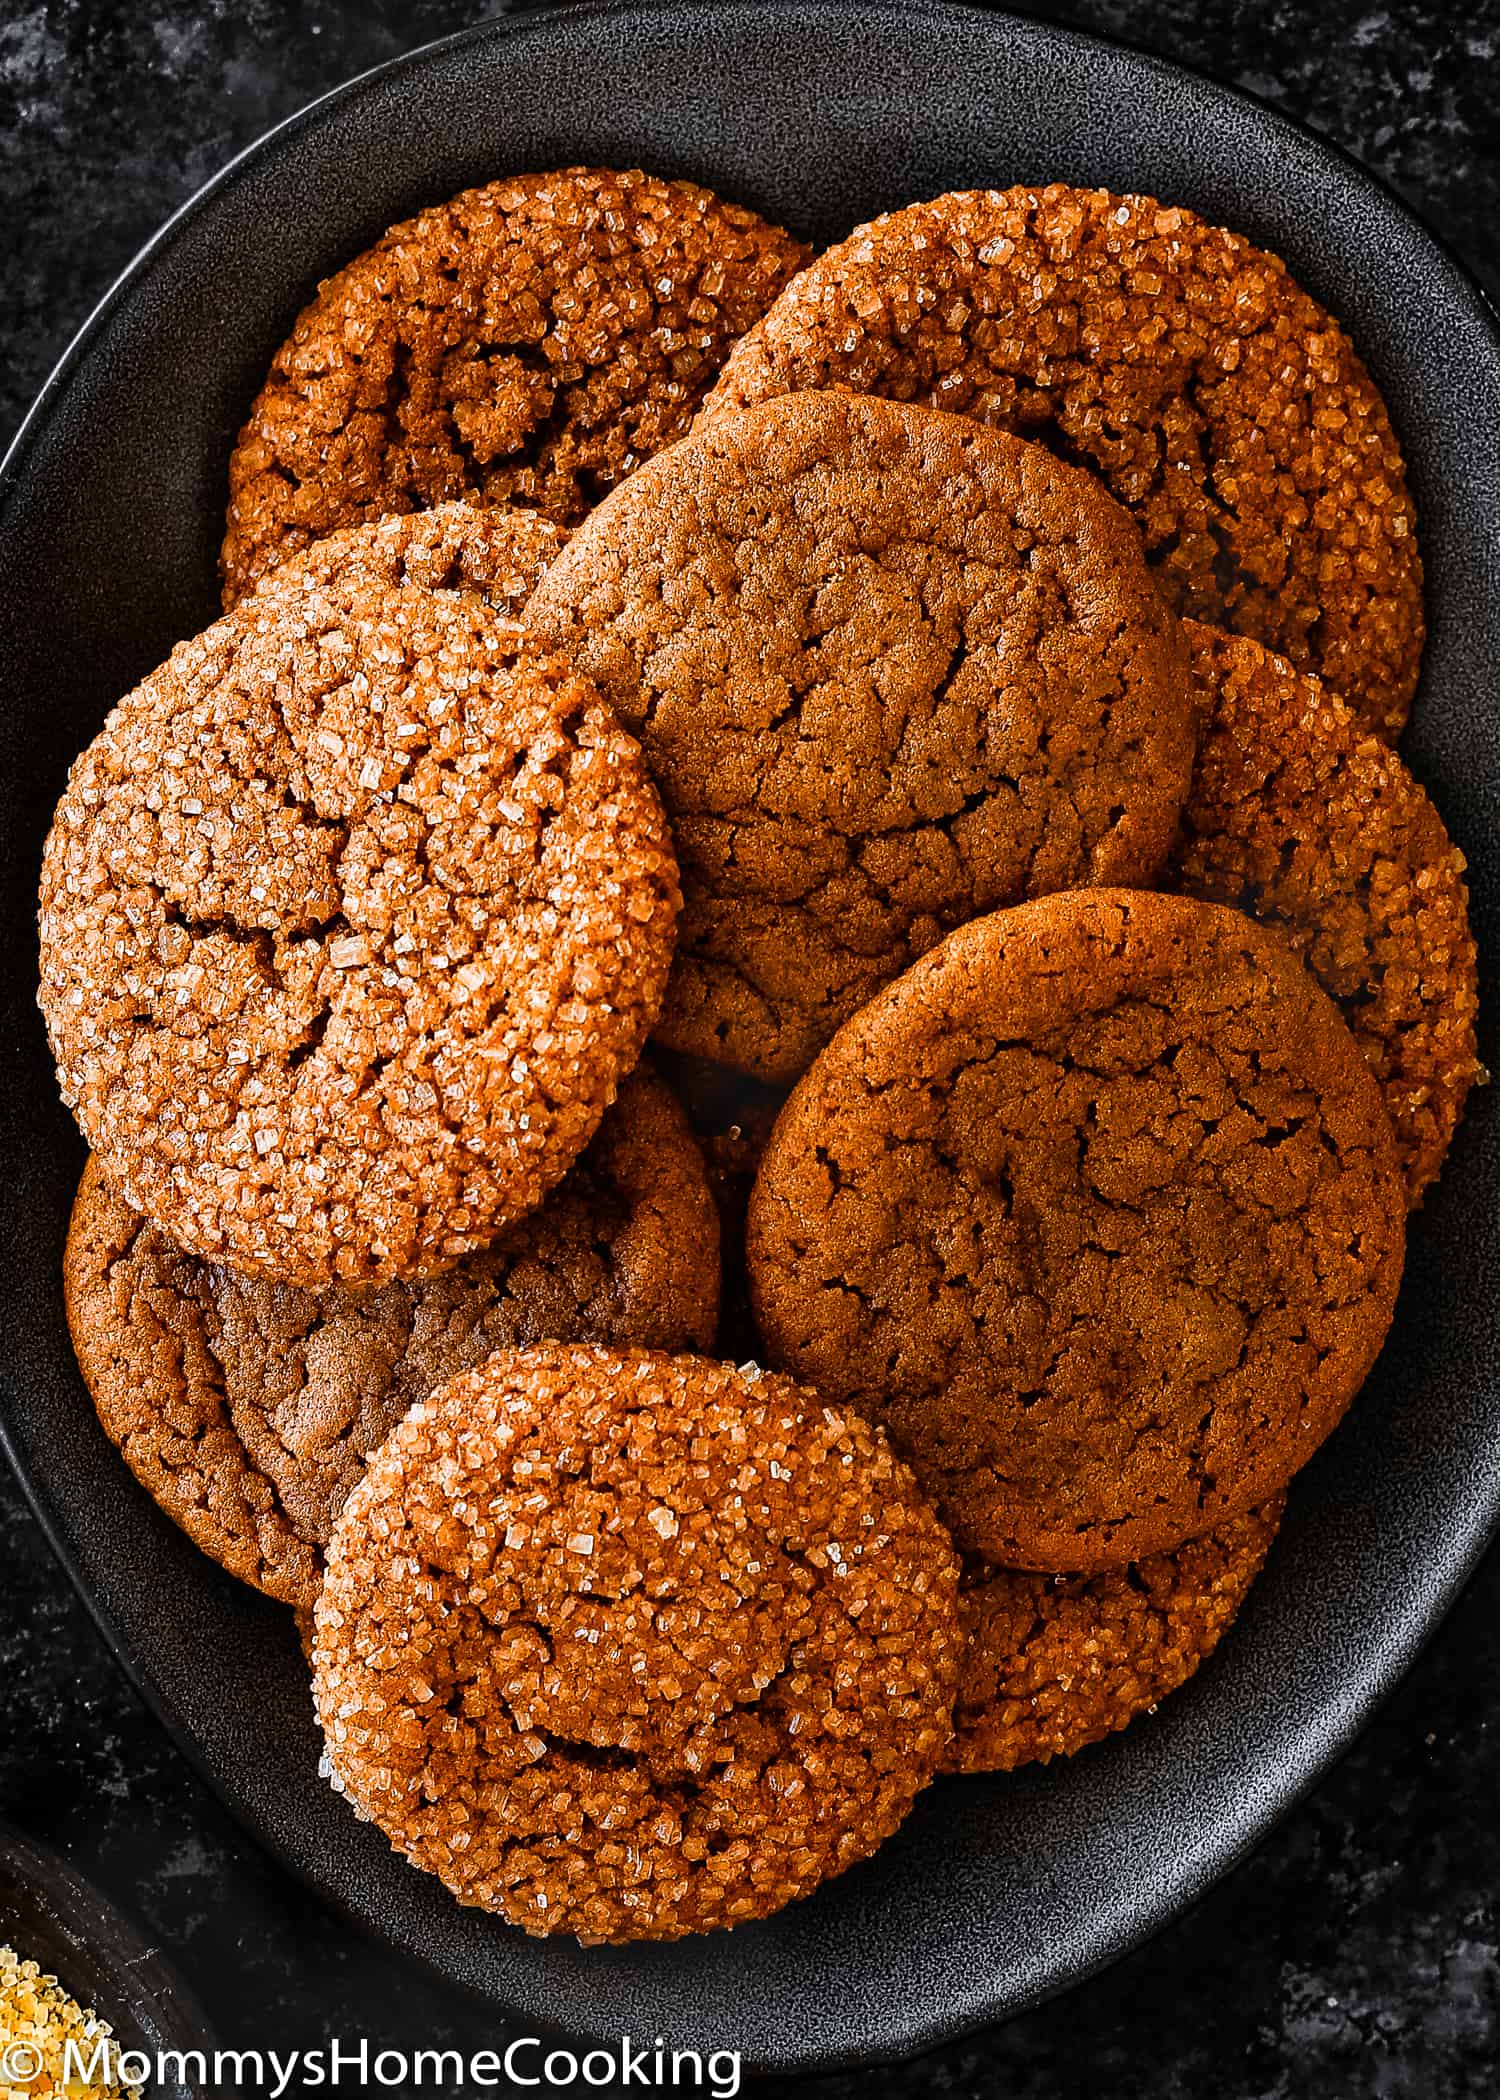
[[1055, 1662], [528, 342], [888, 670], [1308, 820], [1220, 404], [495, 555], [352, 917], [1098, 1208], [630, 1646], [625, 1250]]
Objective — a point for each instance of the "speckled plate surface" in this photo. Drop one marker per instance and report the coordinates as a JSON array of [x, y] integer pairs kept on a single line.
[[997, 1891]]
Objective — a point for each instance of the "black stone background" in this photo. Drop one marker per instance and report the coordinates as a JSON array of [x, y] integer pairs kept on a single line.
[[1356, 1952]]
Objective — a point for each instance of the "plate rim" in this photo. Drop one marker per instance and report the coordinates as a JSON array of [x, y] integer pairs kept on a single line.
[[537, 19], [920, 2028]]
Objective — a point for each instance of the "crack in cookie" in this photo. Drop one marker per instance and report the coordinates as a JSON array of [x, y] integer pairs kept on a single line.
[[352, 916], [888, 671], [1099, 1209], [247, 1409], [528, 343], [631, 1646], [1304, 818], [1221, 405]]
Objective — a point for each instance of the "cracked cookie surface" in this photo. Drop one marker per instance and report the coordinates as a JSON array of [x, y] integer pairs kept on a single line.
[[625, 1250], [527, 342], [1219, 403], [247, 1409], [142, 1319], [1306, 819], [1099, 1209], [629, 1646], [497, 556], [889, 671], [1056, 1662], [352, 917]]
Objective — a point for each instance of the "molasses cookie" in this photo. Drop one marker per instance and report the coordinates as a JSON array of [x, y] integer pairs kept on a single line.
[[142, 1319], [625, 1251], [497, 555], [529, 342], [1098, 1208], [1306, 819], [1220, 404], [352, 918], [1056, 1662], [247, 1409], [630, 1646], [889, 670]]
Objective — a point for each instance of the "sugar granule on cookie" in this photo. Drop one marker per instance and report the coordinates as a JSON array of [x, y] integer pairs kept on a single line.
[[497, 556], [529, 342], [625, 1250], [1217, 401], [1098, 1208], [1056, 1662], [1306, 819], [630, 1646], [353, 916], [889, 671], [247, 1409]]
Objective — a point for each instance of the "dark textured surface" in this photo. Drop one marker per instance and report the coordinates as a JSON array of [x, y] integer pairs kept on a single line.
[[71, 1931], [1356, 1952]]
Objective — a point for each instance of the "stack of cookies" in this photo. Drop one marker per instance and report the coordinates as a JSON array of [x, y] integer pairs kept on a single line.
[[941, 695]]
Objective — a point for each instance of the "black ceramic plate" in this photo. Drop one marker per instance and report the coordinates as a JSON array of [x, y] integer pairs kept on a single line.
[[996, 1892]]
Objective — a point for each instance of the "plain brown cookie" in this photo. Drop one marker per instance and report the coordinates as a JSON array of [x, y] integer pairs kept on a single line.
[[496, 555], [630, 1646], [625, 1251], [889, 671], [1098, 1208], [142, 1319], [352, 917], [1220, 404], [247, 1409], [529, 342], [1309, 821], [1055, 1662]]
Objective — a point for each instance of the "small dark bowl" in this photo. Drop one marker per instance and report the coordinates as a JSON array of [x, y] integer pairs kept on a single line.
[[997, 1891], [50, 1916]]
